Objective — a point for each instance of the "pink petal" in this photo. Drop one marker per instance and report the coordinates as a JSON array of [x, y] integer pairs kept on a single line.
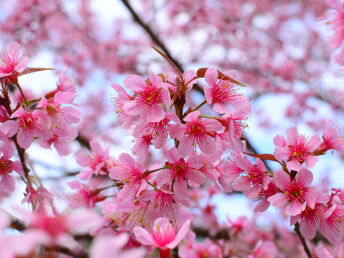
[[308, 228], [311, 161], [278, 200], [294, 208], [281, 179], [304, 176], [292, 135], [294, 165], [134, 83], [144, 237], [180, 235], [211, 76]]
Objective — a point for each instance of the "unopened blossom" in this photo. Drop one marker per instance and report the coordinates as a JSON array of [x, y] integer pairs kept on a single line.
[[11, 62], [39, 198], [131, 173], [93, 163], [163, 234], [197, 132], [295, 194], [220, 92], [296, 149], [150, 98], [181, 85]]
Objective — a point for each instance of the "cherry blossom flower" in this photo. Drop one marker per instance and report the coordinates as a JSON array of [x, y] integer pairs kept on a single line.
[[333, 226], [163, 235], [297, 149], [131, 173], [7, 166], [149, 98], [29, 124], [296, 194], [197, 132], [105, 246], [93, 163], [331, 139], [11, 62], [222, 92]]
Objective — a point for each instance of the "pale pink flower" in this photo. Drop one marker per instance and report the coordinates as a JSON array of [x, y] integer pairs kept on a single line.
[[11, 63], [331, 139], [322, 251], [107, 246], [333, 226], [297, 149], [197, 249], [266, 249], [163, 235], [132, 174], [121, 100], [295, 195], [93, 163], [38, 198], [196, 132], [149, 98], [221, 92]]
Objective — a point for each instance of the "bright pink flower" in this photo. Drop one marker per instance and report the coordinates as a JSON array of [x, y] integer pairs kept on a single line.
[[149, 99], [234, 126], [197, 132], [333, 226], [94, 163], [163, 235], [254, 179], [7, 183], [222, 92], [331, 139], [88, 194], [38, 198], [297, 149], [11, 63], [158, 130], [295, 194], [189, 78], [132, 174], [263, 197], [29, 124], [182, 172]]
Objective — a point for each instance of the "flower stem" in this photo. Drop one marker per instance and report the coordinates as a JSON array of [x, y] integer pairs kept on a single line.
[[303, 240], [165, 253]]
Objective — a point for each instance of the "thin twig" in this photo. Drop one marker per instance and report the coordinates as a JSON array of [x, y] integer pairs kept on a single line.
[[303, 240]]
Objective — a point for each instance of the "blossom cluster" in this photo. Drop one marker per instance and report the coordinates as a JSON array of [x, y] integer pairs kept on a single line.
[[149, 201]]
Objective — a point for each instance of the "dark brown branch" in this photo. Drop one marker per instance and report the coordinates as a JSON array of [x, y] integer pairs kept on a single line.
[[303, 240]]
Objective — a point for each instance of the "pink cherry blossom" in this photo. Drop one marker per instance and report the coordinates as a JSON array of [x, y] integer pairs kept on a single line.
[[295, 194], [163, 235], [331, 139], [197, 132], [28, 124], [222, 92], [297, 149], [94, 163], [150, 98], [11, 63], [131, 173], [333, 226]]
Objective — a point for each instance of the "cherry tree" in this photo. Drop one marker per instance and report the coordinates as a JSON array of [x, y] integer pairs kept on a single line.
[[147, 111]]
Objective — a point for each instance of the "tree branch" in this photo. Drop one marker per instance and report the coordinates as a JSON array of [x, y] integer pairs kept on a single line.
[[303, 240]]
